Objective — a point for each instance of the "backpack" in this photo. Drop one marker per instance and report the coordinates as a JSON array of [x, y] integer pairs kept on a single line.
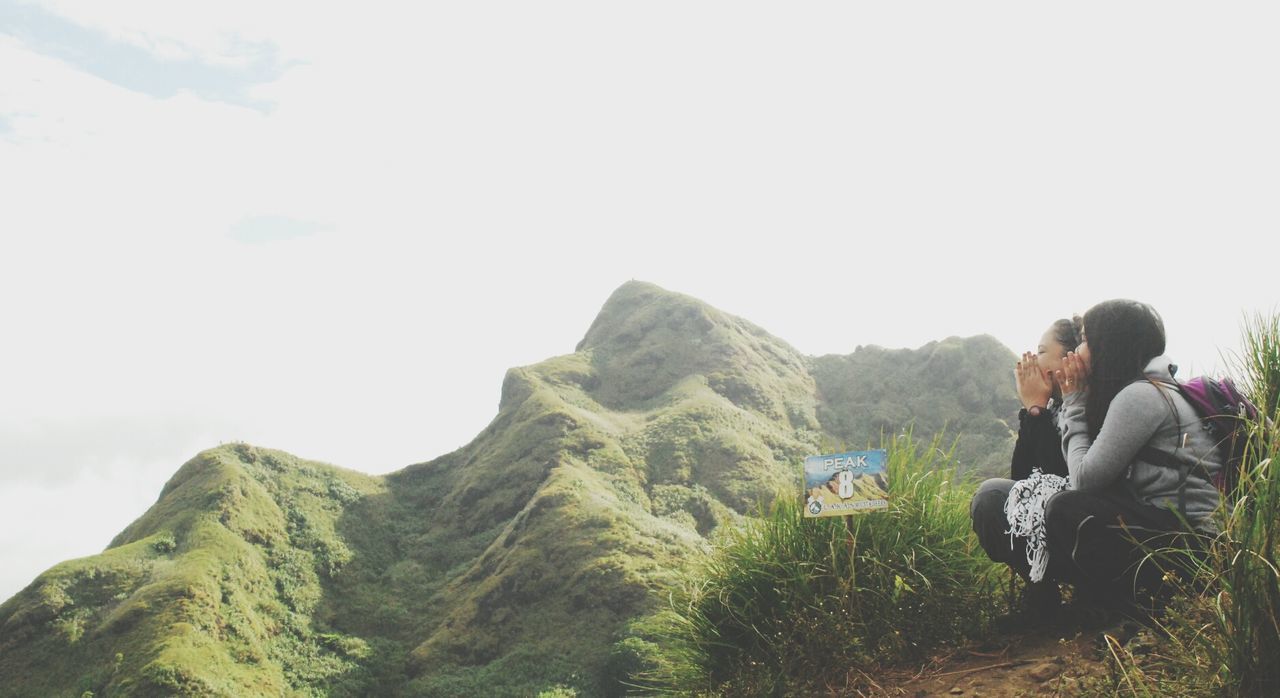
[[1227, 415]]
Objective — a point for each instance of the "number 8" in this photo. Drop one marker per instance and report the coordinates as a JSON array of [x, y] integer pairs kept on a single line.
[[846, 484]]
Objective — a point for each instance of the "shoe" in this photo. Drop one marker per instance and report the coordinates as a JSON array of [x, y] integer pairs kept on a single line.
[[1040, 606], [1042, 597]]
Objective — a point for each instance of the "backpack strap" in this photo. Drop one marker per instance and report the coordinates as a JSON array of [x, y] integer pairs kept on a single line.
[[1165, 459]]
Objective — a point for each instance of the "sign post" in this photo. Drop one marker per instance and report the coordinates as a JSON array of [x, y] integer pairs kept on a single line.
[[841, 484]]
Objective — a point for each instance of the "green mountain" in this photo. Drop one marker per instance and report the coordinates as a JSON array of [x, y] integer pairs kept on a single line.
[[957, 386], [526, 560]]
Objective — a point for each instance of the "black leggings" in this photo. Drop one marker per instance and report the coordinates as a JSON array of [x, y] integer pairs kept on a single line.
[[1097, 541]]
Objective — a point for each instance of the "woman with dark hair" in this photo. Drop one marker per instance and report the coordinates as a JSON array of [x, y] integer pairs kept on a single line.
[[1119, 404], [1038, 448]]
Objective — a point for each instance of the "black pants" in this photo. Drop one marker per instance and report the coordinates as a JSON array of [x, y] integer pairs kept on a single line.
[[1098, 541]]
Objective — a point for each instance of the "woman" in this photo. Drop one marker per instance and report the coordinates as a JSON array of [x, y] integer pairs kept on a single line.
[[1039, 444], [1118, 400], [1038, 447]]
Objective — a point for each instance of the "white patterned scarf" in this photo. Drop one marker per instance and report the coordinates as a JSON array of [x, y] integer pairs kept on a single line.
[[1025, 510]]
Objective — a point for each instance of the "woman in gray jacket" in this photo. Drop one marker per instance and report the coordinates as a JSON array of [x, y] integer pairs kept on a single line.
[[1117, 400]]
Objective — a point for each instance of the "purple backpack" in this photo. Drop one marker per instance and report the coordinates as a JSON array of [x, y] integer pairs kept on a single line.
[[1226, 414]]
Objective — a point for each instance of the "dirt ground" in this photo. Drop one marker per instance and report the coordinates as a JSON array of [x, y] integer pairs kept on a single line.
[[1031, 664]]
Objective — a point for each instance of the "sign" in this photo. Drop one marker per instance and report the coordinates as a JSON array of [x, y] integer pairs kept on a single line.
[[845, 483]]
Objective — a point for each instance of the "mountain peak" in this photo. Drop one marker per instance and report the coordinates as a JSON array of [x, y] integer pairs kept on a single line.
[[631, 308], [646, 340]]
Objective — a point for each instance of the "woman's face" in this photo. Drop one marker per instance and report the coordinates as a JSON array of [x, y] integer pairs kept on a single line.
[[1050, 352]]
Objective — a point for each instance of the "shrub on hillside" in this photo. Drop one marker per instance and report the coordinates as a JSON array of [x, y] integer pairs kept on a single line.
[[787, 603]]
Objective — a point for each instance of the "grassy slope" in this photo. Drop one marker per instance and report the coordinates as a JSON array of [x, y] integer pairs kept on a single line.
[[210, 592], [620, 477], [518, 562]]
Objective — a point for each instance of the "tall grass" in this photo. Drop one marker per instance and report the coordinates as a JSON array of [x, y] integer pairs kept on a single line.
[[1225, 638], [1258, 362], [788, 605]]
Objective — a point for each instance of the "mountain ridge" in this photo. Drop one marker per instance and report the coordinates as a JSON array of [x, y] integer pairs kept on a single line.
[[526, 559]]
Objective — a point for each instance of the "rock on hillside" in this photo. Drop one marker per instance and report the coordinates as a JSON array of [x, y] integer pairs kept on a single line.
[[527, 559]]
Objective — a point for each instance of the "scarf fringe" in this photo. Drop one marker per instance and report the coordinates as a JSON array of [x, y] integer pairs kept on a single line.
[[1025, 511]]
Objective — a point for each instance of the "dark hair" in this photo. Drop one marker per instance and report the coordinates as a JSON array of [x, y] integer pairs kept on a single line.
[[1067, 332], [1123, 337]]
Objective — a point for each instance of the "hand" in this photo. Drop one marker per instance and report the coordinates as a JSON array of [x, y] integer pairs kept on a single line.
[[1034, 384], [1073, 377]]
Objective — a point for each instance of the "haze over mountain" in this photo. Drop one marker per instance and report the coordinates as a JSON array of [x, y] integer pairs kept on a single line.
[[527, 559]]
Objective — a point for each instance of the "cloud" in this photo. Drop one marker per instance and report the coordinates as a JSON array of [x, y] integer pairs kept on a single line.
[[261, 229], [156, 72]]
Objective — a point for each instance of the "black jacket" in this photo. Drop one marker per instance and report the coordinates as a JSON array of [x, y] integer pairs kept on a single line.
[[1039, 445]]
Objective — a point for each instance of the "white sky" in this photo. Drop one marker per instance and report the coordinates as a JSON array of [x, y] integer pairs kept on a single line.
[[331, 230]]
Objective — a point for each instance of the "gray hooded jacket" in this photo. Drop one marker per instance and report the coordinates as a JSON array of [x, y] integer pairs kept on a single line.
[[1143, 414]]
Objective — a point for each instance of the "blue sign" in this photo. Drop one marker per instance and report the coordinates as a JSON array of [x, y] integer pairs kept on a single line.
[[840, 484]]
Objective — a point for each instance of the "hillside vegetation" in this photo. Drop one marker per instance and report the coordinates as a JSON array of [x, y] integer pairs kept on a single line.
[[793, 606], [535, 558]]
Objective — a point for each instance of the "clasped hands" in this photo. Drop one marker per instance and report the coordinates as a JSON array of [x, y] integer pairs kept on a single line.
[[1035, 384]]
